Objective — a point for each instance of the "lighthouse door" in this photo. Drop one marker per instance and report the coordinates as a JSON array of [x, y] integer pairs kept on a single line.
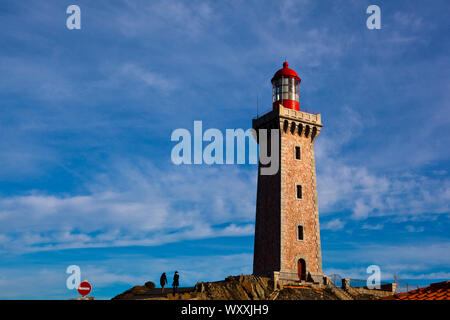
[[301, 267]]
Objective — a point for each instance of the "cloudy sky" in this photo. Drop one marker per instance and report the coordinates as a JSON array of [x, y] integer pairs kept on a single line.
[[86, 118]]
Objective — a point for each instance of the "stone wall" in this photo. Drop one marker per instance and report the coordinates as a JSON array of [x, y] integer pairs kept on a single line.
[[370, 292], [278, 211], [385, 290], [294, 211]]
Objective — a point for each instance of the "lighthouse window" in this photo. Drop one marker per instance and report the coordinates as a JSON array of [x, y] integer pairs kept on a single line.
[[286, 89], [299, 232], [299, 192], [297, 153]]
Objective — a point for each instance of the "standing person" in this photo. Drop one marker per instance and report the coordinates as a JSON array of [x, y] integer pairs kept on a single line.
[[176, 282], [163, 281]]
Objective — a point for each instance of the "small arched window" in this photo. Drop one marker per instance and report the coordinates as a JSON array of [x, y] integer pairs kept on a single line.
[[299, 232], [298, 153], [299, 191]]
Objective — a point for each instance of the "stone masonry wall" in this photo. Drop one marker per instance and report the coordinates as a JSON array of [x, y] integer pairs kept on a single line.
[[278, 211], [299, 211]]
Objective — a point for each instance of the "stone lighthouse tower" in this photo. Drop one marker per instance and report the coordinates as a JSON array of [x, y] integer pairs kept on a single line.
[[287, 234]]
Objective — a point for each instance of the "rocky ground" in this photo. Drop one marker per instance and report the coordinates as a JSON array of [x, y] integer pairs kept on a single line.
[[244, 287], [306, 294]]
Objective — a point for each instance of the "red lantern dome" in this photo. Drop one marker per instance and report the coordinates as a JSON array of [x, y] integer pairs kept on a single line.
[[285, 84]]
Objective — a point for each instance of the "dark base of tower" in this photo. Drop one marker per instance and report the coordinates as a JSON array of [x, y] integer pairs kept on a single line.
[[266, 274]]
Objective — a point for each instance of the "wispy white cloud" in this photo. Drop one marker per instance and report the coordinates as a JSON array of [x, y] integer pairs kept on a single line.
[[372, 226], [367, 193], [133, 72], [409, 20], [135, 205], [141, 17], [411, 228], [403, 260], [335, 224]]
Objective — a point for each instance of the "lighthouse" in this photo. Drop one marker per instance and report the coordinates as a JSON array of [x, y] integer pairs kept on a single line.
[[287, 233]]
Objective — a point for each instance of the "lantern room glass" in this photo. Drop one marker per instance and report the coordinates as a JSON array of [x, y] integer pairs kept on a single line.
[[285, 89]]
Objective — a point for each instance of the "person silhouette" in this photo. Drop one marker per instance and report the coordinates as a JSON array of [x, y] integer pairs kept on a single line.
[[163, 281], [176, 282]]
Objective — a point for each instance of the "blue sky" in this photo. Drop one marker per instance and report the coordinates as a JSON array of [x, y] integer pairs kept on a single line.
[[86, 118]]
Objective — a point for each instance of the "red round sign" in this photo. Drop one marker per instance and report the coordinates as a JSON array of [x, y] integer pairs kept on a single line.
[[84, 288]]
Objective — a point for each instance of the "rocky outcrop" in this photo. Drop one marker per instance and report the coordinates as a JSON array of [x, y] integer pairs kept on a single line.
[[307, 294], [243, 287], [236, 288], [133, 293], [232, 288]]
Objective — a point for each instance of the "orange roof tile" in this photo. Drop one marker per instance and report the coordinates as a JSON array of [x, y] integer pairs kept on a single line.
[[435, 291]]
